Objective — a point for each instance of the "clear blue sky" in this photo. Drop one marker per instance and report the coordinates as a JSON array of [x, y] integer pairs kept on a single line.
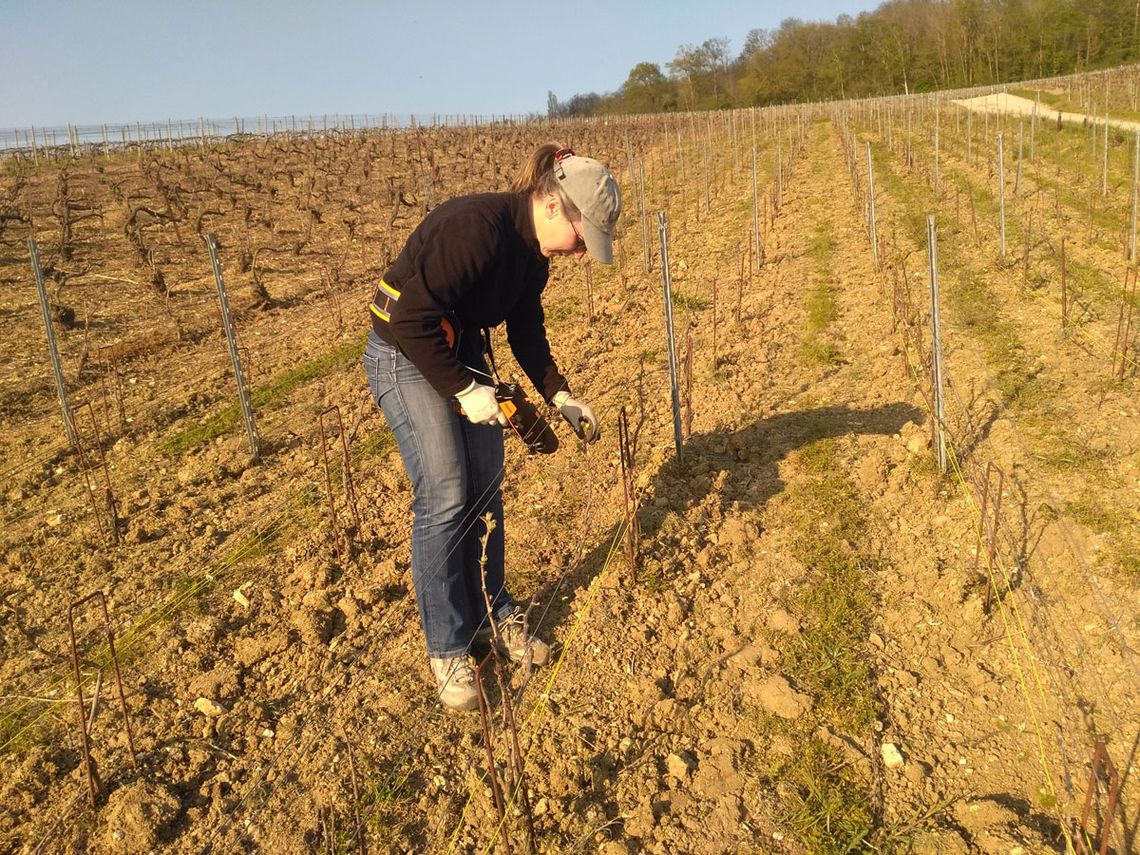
[[89, 62]]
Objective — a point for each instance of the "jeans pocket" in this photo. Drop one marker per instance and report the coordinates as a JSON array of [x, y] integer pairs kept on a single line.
[[373, 367]]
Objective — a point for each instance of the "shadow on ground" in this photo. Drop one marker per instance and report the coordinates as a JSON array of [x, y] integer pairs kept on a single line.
[[749, 483]]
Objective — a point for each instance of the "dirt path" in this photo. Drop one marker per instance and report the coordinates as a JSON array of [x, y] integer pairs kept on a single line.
[[1003, 102]]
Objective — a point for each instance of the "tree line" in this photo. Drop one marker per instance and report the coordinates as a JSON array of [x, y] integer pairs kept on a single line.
[[901, 47]]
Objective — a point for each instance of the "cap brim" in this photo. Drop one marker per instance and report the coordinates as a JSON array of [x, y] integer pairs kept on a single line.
[[599, 244]]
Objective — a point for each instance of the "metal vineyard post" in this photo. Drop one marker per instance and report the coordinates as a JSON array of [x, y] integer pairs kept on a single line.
[[235, 355], [667, 289], [53, 350]]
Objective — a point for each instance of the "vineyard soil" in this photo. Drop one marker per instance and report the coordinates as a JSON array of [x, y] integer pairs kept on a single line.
[[802, 659]]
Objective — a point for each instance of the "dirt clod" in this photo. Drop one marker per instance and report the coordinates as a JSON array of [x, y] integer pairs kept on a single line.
[[680, 765], [137, 817], [776, 696]]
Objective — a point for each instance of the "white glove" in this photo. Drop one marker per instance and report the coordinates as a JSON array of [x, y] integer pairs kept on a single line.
[[580, 415], [480, 405]]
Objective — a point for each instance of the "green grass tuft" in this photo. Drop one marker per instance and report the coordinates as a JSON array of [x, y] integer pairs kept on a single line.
[[825, 805], [691, 302], [1115, 525], [267, 397], [824, 802], [826, 513], [385, 795], [819, 301]]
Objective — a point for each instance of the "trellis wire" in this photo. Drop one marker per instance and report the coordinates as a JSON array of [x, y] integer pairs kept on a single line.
[[552, 596], [473, 517], [1007, 621]]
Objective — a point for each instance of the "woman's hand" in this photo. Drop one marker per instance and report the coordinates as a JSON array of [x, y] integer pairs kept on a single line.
[[479, 404], [580, 415]]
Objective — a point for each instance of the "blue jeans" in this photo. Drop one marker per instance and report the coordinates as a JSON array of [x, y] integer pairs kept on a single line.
[[456, 470]]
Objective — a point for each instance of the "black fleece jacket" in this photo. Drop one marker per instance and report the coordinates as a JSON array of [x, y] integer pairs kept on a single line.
[[477, 259]]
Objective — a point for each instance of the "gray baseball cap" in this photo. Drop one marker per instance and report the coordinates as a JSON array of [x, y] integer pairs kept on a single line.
[[594, 190]]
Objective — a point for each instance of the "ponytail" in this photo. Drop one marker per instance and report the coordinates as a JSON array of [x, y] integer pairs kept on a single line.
[[537, 178]]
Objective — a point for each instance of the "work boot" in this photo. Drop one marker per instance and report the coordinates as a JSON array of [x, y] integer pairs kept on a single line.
[[456, 681], [517, 644]]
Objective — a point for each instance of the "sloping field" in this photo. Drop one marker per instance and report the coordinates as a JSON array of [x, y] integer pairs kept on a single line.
[[825, 644]]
